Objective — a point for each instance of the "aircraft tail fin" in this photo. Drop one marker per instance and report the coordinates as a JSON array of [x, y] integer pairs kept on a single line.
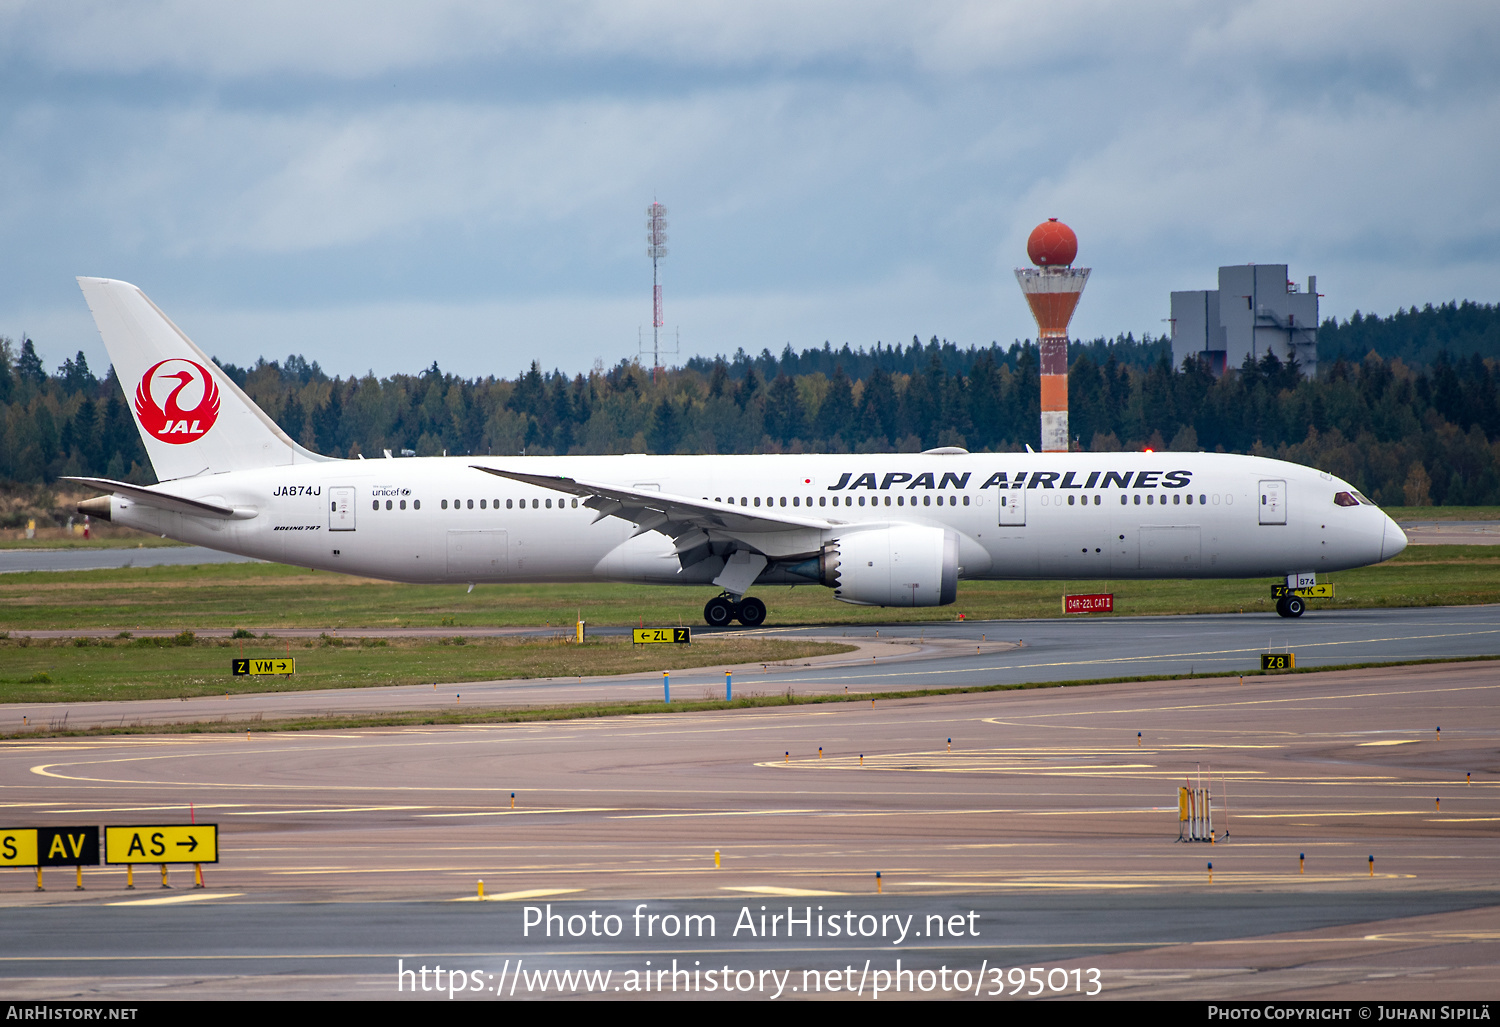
[[192, 418]]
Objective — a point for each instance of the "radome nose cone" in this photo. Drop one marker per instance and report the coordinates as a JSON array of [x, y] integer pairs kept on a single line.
[[1394, 540]]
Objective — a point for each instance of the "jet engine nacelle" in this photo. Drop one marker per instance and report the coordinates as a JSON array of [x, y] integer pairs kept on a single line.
[[906, 565]]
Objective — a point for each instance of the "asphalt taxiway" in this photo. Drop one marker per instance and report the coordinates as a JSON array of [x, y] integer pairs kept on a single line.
[[888, 658], [1053, 817]]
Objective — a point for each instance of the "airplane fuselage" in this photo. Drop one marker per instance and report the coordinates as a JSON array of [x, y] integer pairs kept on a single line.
[[1048, 515]]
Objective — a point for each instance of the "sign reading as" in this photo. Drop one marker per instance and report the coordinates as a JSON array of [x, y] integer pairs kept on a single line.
[[277, 666], [1102, 603], [646, 636], [162, 843]]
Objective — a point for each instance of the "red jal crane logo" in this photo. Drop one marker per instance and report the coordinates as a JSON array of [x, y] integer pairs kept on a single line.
[[181, 382]]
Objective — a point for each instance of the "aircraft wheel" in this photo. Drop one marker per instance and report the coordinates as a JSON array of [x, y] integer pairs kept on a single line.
[[752, 612], [1281, 607], [719, 611], [1295, 607]]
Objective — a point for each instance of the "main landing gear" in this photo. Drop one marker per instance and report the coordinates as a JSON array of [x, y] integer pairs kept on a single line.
[[722, 609], [1291, 606]]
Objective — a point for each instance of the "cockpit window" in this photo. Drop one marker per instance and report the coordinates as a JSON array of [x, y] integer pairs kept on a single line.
[[1361, 497], [1345, 499]]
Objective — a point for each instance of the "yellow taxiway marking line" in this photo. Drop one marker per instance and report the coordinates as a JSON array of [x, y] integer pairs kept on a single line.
[[1011, 721], [521, 812], [1431, 936], [1365, 813], [1393, 741], [717, 813], [173, 900], [1138, 659], [512, 896], [1459, 820], [1091, 812], [342, 809], [144, 809], [791, 893], [378, 870]]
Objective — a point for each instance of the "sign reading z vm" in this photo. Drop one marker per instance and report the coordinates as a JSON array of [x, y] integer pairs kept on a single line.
[[162, 843], [675, 636], [279, 666]]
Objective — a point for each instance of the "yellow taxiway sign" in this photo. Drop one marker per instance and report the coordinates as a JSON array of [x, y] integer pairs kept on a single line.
[[162, 843]]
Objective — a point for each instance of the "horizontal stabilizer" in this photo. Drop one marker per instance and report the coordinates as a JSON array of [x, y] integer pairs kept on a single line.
[[152, 497]]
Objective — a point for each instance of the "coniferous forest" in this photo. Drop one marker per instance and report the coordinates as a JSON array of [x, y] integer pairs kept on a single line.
[[1405, 407]]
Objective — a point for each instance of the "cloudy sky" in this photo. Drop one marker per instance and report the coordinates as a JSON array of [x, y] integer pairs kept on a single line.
[[378, 185]]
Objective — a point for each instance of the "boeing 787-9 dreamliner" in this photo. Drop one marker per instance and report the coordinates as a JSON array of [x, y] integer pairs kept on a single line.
[[880, 530]]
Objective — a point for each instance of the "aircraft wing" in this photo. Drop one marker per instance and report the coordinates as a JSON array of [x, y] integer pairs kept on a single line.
[[158, 499], [688, 520]]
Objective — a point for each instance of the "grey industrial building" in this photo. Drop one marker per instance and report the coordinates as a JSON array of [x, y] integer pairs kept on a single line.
[[1255, 310]]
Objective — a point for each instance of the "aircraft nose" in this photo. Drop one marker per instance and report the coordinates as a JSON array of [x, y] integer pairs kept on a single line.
[[1393, 541]]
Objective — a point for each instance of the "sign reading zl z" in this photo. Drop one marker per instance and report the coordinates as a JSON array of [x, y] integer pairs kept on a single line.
[[896, 530], [674, 636]]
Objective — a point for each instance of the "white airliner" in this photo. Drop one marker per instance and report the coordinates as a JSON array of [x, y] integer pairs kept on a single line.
[[880, 530]]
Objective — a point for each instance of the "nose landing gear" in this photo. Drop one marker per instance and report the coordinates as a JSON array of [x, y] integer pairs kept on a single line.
[[722, 609], [1291, 606]]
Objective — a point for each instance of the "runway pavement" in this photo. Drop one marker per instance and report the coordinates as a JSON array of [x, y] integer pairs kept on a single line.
[[1050, 818], [1452, 533], [889, 658], [111, 558]]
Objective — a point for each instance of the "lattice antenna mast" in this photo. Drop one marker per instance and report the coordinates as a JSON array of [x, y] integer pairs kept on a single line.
[[656, 249]]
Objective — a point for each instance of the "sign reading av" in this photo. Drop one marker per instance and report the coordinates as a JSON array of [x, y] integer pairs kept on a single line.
[[676, 636], [162, 843], [278, 666]]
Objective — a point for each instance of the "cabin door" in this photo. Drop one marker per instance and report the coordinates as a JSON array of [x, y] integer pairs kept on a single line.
[[341, 508]]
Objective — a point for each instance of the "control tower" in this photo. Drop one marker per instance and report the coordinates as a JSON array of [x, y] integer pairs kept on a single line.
[[1052, 289]]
